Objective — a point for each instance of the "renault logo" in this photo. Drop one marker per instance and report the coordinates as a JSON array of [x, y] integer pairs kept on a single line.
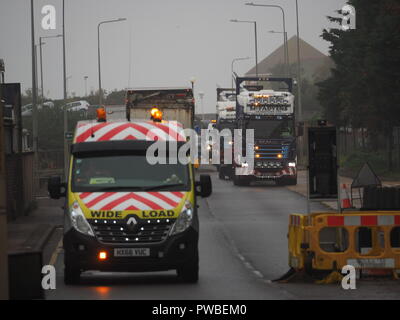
[[131, 223]]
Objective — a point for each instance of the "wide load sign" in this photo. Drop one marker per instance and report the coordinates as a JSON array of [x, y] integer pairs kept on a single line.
[[267, 103]]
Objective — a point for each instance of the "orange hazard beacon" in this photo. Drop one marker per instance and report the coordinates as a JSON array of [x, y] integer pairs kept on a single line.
[[125, 211]]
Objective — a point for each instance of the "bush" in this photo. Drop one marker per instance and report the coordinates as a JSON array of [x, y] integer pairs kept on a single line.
[[351, 163]]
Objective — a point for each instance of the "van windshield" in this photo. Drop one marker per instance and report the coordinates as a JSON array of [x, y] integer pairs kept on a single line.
[[127, 172]]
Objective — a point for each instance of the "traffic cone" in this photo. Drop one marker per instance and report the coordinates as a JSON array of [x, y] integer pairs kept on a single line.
[[346, 203]]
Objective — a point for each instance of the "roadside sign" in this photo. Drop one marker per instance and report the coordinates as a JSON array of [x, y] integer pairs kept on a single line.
[[69, 135], [366, 177]]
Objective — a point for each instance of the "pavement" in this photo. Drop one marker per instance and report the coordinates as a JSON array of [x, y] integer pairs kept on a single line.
[[243, 247], [301, 188], [32, 232]]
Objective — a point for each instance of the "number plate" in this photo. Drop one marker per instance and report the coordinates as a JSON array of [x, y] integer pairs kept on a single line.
[[131, 252]]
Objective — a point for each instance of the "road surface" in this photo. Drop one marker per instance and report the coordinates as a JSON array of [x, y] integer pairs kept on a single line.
[[243, 246]]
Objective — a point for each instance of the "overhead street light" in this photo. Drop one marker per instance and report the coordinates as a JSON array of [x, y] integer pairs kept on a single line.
[[201, 95], [255, 37], [233, 61], [192, 81], [98, 51], [85, 78], [41, 61], [285, 53], [285, 46]]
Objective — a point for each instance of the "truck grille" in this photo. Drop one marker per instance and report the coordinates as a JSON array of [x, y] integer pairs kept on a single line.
[[117, 231], [270, 152]]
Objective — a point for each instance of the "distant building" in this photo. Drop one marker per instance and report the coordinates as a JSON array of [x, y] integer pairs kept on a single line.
[[315, 67], [312, 60]]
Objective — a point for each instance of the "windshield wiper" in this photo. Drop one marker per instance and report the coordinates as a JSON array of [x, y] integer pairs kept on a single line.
[[115, 188], [164, 186], [137, 188]]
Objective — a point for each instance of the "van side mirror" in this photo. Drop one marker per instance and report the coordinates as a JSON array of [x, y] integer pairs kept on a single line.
[[55, 188], [204, 186]]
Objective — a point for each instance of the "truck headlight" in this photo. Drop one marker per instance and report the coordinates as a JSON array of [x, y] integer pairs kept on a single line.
[[184, 220], [78, 220], [292, 164]]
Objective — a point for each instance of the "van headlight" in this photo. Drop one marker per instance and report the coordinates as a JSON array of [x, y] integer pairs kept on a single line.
[[78, 220], [184, 220]]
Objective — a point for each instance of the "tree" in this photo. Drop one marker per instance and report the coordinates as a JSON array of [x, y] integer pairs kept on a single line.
[[363, 90]]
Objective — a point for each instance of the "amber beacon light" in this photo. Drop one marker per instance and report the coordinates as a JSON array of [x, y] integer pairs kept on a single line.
[[156, 114]]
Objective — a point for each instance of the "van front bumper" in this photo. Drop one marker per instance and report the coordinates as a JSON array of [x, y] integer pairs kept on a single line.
[[82, 252]]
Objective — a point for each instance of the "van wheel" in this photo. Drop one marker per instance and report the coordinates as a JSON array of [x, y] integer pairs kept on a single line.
[[71, 275], [189, 272]]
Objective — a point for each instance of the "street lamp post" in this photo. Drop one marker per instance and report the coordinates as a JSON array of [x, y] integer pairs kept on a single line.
[[192, 81], [98, 53], [300, 110], [255, 38], [41, 68], [201, 95], [284, 30], [85, 78], [65, 114], [66, 80], [233, 61], [285, 53], [41, 61]]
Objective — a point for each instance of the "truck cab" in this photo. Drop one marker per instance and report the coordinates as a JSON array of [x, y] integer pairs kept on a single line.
[[270, 113], [124, 213]]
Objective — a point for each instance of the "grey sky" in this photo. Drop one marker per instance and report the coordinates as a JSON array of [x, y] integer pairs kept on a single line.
[[171, 41]]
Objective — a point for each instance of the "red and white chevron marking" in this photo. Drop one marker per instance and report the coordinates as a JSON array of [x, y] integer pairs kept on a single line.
[[368, 220], [119, 201], [146, 130]]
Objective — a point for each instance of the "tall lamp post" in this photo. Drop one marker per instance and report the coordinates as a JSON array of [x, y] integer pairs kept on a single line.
[[34, 96], [192, 81], [98, 52], [201, 95], [284, 28], [233, 61], [85, 78], [255, 38], [41, 61], [300, 109], [285, 53]]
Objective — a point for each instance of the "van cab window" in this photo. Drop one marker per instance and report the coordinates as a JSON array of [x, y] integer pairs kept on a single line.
[[127, 173]]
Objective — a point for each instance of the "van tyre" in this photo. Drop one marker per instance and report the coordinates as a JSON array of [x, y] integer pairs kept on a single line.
[[71, 275], [189, 272]]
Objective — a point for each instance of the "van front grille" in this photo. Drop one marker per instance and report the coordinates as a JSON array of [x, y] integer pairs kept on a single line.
[[118, 231]]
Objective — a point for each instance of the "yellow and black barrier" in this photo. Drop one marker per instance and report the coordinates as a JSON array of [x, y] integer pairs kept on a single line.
[[367, 240]]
